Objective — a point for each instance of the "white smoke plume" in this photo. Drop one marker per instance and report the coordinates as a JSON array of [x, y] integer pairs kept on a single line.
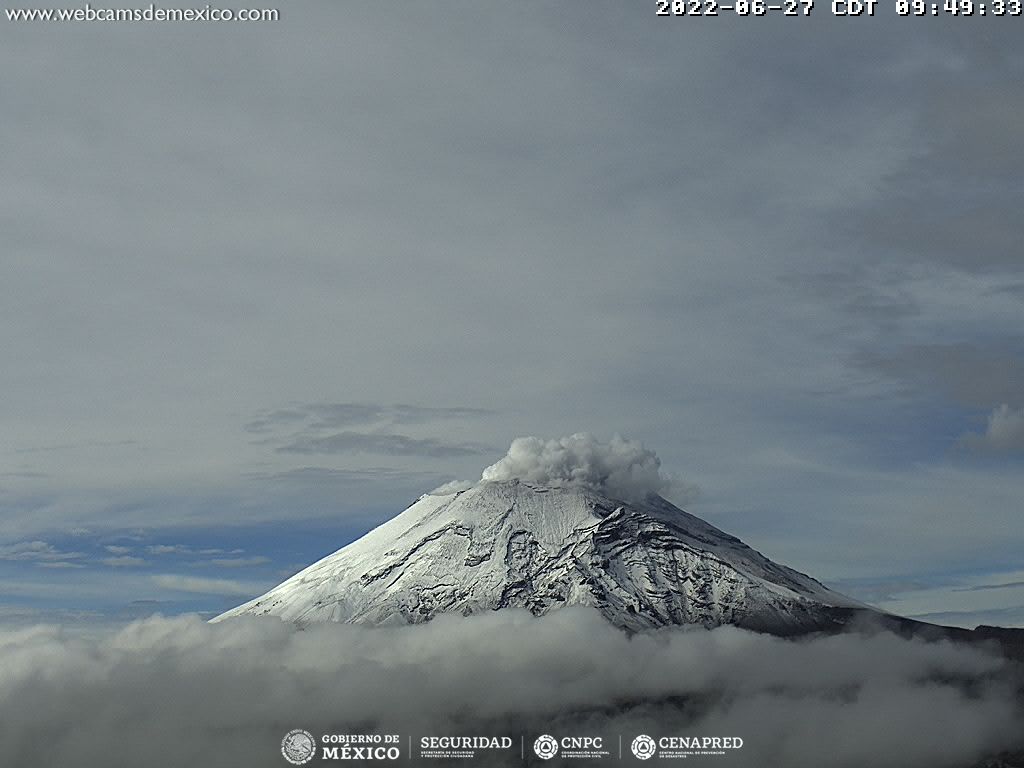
[[167, 693], [451, 487], [620, 468]]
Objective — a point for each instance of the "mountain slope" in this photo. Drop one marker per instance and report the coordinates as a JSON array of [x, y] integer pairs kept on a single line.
[[642, 564]]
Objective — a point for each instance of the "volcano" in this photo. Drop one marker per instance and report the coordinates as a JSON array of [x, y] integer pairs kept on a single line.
[[509, 543]]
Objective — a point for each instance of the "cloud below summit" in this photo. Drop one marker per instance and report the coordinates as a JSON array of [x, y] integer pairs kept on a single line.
[[183, 692]]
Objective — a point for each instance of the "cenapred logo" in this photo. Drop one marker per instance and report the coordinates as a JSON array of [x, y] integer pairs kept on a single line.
[[298, 746], [546, 747], [643, 747]]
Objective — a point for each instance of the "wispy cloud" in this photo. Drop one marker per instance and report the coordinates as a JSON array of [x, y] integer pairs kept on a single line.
[[387, 444], [239, 562], [125, 561], [36, 551], [271, 419], [967, 600], [314, 428], [168, 549], [207, 586], [317, 416], [1005, 432], [333, 475], [216, 551], [60, 564], [970, 374], [91, 444]]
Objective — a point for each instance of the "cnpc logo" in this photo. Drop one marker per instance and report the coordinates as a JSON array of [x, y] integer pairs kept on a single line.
[[547, 746]]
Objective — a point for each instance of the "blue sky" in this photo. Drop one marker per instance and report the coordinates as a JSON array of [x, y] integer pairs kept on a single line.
[[263, 285]]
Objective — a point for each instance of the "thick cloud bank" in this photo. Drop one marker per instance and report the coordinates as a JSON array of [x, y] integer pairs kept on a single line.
[[620, 468], [167, 693]]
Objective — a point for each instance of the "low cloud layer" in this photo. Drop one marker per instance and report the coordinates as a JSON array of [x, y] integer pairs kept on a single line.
[[621, 468], [174, 692]]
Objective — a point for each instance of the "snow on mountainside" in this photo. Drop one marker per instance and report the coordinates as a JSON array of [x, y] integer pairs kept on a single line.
[[511, 541]]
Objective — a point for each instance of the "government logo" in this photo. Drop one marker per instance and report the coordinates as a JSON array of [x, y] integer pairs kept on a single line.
[[298, 746]]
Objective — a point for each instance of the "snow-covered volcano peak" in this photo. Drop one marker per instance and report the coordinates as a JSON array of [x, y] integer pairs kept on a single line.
[[541, 546]]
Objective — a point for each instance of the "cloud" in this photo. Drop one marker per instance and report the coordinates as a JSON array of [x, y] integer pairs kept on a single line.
[[337, 415], [970, 374], [28, 474], [270, 419], [35, 550], [239, 562], [966, 600], [986, 587], [387, 444], [312, 429], [1010, 616], [217, 551], [168, 549], [416, 414], [91, 444], [621, 468], [60, 564], [949, 203], [204, 586], [341, 477], [1005, 433], [126, 561], [183, 692], [116, 550]]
